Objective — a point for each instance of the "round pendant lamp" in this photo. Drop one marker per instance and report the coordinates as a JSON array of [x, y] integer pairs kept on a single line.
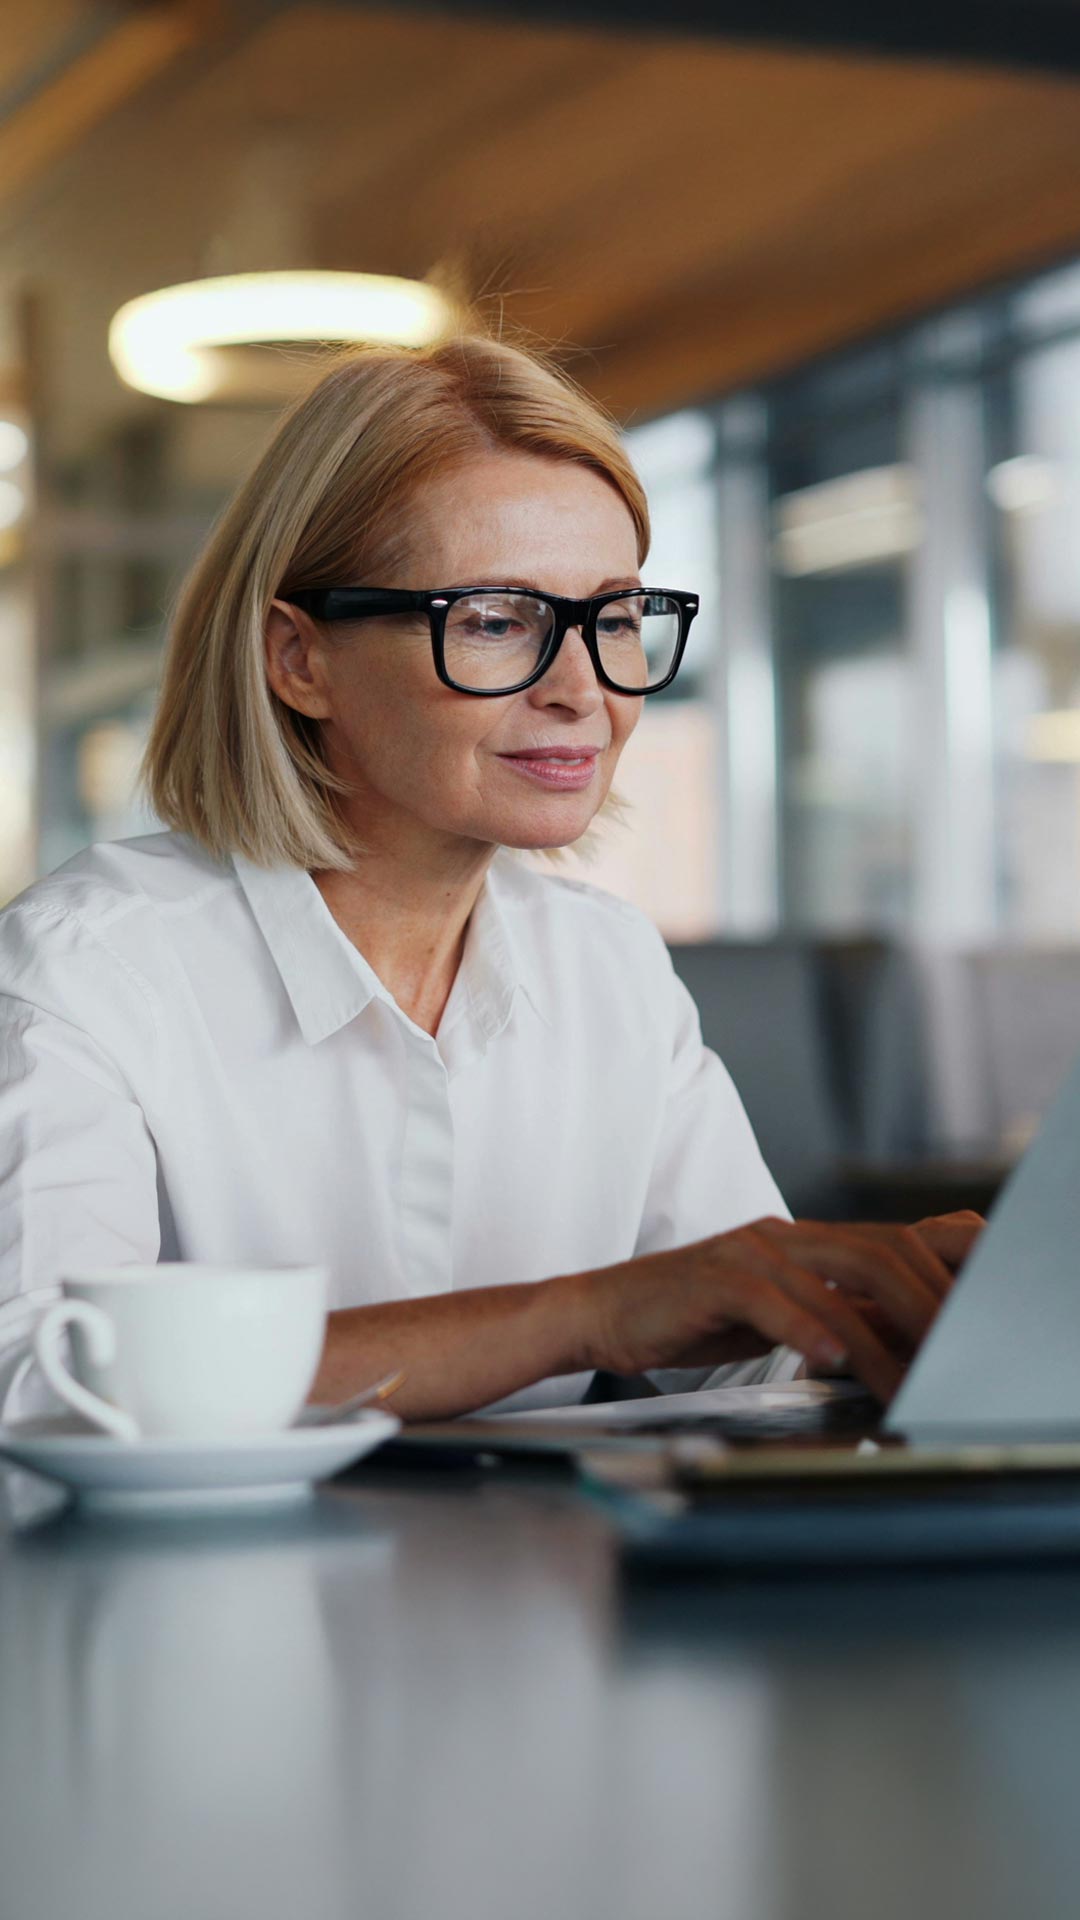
[[187, 342]]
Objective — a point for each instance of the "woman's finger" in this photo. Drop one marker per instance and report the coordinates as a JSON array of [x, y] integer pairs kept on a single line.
[[890, 1335], [928, 1262], [909, 1281], [867, 1356], [750, 1297], [860, 1260], [951, 1236]]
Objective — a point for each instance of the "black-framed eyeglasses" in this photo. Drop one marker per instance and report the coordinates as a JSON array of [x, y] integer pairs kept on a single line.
[[489, 640]]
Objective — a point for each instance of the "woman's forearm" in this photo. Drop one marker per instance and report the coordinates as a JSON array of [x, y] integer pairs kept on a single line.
[[819, 1289], [458, 1351]]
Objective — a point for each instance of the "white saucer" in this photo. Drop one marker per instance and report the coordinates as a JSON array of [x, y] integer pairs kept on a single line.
[[172, 1475]]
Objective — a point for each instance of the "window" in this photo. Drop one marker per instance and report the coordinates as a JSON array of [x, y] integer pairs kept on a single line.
[[665, 857], [845, 521], [1035, 490]]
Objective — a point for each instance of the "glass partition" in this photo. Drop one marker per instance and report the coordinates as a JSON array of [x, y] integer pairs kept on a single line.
[[664, 855], [845, 520], [1035, 491]]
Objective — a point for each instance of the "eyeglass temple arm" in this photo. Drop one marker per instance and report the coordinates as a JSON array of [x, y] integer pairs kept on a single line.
[[356, 603]]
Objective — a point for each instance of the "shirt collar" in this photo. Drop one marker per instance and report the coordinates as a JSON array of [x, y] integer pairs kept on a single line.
[[499, 957], [327, 978]]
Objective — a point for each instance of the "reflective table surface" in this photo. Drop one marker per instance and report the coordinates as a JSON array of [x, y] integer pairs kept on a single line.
[[439, 1694]]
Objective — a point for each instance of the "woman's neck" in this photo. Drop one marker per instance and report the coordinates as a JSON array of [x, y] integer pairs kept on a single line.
[[409, 922]]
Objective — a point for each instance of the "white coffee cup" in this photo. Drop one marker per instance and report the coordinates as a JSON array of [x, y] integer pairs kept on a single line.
[[184, 1350]]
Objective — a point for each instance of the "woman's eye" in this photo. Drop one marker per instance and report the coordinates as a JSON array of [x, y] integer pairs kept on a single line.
[[495, 621], [493, 627], [619, 626]]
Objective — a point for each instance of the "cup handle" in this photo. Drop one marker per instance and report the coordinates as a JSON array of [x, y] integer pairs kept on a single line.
[[101, 1335]]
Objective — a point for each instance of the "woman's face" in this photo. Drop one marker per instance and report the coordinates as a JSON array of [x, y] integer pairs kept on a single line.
[[411, 747]]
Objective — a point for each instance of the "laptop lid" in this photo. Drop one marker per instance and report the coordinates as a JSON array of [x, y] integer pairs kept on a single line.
[[1003, 1356]]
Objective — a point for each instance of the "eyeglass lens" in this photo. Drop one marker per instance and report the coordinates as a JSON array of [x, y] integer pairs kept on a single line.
[[495, 640]]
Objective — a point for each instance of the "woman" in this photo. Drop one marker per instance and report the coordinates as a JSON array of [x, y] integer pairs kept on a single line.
[[331, 1015]]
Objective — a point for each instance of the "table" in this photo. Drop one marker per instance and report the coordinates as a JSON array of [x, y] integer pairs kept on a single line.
[[434, 1696]]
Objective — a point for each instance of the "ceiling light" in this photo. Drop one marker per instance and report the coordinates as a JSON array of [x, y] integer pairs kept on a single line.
[[857, 520], [1054, 736], [1024, 484], [14, 446], [12, 502], [166, 342]]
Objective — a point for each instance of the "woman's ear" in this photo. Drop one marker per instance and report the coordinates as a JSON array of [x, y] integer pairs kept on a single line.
[[295, 661]]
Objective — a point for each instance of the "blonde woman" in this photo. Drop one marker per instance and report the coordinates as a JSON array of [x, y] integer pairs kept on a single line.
[[332, 1015]]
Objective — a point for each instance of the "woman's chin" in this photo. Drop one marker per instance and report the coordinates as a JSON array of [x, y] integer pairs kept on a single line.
[[544, 835]]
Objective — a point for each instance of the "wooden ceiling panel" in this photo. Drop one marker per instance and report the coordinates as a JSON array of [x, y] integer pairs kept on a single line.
[[982, 203], [653, 122], [403, 176], [692, 214], [841, 183], [556, 191], [103, 75], [401, 201], [35, 36], [357, 78], [749, 164]]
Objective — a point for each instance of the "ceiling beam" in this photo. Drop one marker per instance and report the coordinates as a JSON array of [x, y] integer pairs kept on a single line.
[[100, 78], [1039, 34]]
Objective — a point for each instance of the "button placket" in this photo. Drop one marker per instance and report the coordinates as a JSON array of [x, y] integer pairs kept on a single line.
[[427, 1170]]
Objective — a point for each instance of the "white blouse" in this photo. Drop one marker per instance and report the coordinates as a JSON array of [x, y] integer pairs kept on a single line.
[[197, 1064]]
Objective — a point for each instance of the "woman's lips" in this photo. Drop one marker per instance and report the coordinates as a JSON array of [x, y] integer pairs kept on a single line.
[[555, 771]]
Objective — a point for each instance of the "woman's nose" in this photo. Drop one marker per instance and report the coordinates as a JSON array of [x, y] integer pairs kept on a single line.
[[571, 678]]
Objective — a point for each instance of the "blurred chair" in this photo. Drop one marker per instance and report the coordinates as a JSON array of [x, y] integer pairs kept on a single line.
[[885, 1083], [827, 1044], [1003, 1027], [760, 1011], [875, 1045], [1027, 1017]]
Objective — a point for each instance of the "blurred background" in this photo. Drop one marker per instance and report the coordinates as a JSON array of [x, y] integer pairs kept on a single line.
[[830, 284]]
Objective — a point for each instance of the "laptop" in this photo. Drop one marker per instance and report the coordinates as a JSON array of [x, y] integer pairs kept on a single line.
[[999, 1368], [1002, 1360], [976, 1459]]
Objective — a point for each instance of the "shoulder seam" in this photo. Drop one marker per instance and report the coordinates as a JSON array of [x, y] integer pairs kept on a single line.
[[44, 907]]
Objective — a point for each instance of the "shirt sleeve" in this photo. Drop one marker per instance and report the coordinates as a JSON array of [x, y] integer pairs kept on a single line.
[[708, 1177], [78, 1167]]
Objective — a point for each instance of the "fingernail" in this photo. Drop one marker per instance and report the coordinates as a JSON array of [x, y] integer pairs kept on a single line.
[[828, 1354]]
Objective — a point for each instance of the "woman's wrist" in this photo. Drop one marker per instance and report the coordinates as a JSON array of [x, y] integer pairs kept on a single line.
[[458, 1350], [569, 1306]]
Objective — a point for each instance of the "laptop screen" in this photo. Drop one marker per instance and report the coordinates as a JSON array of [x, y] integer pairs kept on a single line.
[[1003, 1356]]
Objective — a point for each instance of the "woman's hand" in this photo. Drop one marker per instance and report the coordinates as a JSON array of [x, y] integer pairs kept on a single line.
[[855, 1297], [860, 1297]]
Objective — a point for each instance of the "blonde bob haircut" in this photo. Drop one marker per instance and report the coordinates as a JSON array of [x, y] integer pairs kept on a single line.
[[227, 761]]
